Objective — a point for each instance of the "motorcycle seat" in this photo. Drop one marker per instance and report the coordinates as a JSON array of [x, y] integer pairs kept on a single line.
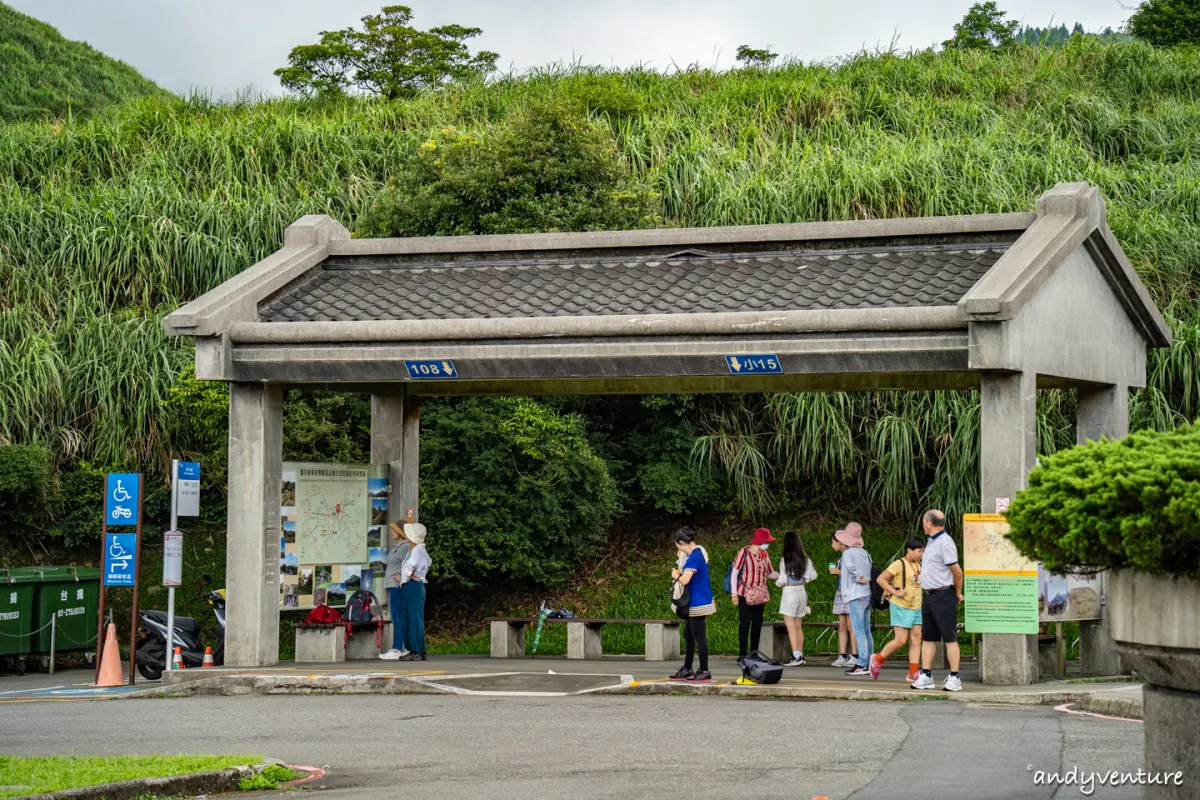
[[184, 625]]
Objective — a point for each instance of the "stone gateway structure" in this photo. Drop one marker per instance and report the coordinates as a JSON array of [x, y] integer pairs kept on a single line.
[[1002, 303]]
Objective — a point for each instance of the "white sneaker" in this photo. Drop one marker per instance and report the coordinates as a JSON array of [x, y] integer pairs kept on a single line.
[[952, 684], [391, 655], [923, 681], [842, 661]]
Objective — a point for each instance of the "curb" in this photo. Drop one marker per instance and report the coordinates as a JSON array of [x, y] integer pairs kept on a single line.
[[234, 685], [1127, 707], [1052, 698], [197, 783]]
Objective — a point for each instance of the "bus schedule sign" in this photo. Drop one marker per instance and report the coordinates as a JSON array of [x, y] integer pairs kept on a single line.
[[1000, 584]]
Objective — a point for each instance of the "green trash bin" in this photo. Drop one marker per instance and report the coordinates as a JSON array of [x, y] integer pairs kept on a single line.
[[16, 616], [73, 595]]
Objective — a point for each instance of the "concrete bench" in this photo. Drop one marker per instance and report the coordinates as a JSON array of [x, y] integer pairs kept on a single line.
[[583, 636], [778, 646], [334, 642]]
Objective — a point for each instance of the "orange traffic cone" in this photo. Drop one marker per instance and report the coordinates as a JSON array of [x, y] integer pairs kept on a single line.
[[208, 658], [110, 661], [177, 661]]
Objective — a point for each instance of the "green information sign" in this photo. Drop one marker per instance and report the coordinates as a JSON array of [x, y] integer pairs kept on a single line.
[[1000, 584]]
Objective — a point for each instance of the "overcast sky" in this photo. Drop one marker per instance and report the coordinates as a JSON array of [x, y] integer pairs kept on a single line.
[[229, 45]]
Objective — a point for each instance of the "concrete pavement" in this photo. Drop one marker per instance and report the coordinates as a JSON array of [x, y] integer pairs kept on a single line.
[[606, 746]]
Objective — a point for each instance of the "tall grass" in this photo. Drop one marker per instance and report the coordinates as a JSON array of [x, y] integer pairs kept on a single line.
[[108, 223]]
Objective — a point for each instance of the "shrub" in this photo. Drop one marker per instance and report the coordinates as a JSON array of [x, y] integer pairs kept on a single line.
[[1132, 503], [547, 170], [26, 489], [510, 489]]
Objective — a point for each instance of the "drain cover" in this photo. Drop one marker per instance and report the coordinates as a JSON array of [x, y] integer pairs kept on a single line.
[[527, 683]]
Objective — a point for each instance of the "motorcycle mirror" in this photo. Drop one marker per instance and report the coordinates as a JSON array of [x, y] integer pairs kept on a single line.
[[207, 577]]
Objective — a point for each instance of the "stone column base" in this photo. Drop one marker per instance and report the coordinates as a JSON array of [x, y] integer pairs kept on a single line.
[[321, 645], [1170, 716], [508, 639], [662, 641], [584, 641]]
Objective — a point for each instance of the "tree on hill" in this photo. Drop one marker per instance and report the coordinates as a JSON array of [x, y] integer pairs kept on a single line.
[[1166, 23], [984, 27], [388, 57], [43, 75], [748, 56]]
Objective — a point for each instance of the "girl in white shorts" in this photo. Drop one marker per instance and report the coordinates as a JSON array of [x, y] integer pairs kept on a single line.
[[795, 571]]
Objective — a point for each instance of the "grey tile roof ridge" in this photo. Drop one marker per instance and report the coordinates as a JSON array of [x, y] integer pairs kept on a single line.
[[332, 263]]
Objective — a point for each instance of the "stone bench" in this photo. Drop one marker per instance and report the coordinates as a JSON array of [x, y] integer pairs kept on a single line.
[[778, 646], [583, 636], [334, 642]]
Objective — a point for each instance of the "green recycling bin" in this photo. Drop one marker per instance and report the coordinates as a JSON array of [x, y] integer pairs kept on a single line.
[[73, 595], [16, 616]]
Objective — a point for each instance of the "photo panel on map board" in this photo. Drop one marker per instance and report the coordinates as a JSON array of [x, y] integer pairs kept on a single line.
[[288, 489], [322, 576], [352, 577], [289, 530], [368, 580], [1083, 596], [1056, 597], [318, 596], [375, 536], [378, 559], [305, 580], [379, 512], [335, 595], [289, 564], [377, 487]]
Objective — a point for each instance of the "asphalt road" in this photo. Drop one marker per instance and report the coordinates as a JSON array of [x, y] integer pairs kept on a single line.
[[602, 746]]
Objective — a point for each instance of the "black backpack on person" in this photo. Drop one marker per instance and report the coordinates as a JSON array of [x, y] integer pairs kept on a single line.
[[879, 599]]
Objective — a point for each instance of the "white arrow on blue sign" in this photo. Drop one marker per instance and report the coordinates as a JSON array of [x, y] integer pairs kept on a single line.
[[121, 498]]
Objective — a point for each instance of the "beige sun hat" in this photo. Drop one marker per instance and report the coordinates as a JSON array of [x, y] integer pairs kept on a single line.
[[415, 532]]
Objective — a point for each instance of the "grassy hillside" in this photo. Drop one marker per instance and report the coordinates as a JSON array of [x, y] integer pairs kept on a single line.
[[106, 224], [43, 75]]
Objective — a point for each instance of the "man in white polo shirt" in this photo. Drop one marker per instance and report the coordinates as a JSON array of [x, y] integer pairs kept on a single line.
[[942, 587]]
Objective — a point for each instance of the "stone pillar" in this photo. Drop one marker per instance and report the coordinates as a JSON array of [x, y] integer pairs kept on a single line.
[[1103, 412], [508, 639], [662, 641], [252, 539], [395, 441], [584, 641], [1008, 449]]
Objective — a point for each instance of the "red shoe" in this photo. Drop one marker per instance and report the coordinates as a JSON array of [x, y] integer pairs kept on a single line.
[[912, 676], [876, 665]]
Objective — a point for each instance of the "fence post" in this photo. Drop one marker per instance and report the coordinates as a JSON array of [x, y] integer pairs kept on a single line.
[[53, 633]]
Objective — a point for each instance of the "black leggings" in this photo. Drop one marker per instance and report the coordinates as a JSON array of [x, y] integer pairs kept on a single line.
[[750, 620], [695, 632]]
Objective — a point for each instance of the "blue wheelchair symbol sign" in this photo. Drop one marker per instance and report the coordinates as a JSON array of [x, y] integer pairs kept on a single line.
[[120, 551], [121, 499]]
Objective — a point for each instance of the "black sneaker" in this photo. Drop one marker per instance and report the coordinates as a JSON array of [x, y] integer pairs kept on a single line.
[[703, 676], [857, 670], [796, 662], [414, 657], [682, 674]]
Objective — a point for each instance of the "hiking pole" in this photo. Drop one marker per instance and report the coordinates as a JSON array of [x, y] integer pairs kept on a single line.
[[543, 613]]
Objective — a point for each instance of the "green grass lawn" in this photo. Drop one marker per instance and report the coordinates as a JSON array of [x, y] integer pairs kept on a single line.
[[23, 776]]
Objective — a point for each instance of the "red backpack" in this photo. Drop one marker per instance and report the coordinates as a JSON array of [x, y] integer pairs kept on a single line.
[[323, 615]]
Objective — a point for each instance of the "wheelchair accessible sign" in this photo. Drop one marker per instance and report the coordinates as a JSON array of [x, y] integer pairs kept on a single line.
[[121, 499], [120, 552]]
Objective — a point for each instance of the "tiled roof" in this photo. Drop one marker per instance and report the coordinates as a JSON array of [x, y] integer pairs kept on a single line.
[[689, 283]]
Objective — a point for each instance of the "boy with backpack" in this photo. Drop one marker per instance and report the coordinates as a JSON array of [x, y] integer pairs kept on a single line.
[[901, 582]]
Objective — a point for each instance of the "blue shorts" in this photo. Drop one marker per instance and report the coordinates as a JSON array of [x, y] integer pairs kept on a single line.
[[905, 617]]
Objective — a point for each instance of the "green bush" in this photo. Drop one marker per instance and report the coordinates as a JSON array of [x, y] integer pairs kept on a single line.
[[510, 489], [549, 169], [1132, 503], [26, 488]]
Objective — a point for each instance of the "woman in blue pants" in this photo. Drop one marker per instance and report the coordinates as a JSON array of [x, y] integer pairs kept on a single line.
[[409, 620]]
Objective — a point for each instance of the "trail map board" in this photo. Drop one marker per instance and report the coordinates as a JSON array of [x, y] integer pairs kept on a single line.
[[332, 514], [1000, 584]]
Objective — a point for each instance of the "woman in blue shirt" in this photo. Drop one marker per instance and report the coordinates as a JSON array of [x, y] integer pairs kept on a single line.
[[694, 575]]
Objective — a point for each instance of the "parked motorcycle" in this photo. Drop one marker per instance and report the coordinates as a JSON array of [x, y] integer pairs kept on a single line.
[[152, 650]]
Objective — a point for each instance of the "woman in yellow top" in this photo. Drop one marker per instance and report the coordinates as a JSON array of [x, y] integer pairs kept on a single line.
[[901, 583]]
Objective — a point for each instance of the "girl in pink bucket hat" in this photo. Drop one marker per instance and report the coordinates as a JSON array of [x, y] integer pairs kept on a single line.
[[854, 585]]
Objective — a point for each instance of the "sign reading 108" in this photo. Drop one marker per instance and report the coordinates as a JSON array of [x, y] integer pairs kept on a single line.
[[431, 370]]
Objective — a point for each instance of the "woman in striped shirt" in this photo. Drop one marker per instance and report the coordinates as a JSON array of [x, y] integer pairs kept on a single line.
[[751, 570]]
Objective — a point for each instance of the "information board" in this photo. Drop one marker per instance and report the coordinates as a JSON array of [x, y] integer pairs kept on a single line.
[[1000, 584]]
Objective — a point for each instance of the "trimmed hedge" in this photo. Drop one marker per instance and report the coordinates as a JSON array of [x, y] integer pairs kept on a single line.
[[1133, 503]]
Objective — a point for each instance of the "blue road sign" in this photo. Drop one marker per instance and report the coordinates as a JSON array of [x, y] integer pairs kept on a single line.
[[121, 498], [431, 370], [120, 551], [189, 471], [765, 364]]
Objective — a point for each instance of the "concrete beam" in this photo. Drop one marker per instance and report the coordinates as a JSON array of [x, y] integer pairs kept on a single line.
[[1103, 412], [387, 443], [737, 323], [1008, 449], [253, 531], [682, 237]]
